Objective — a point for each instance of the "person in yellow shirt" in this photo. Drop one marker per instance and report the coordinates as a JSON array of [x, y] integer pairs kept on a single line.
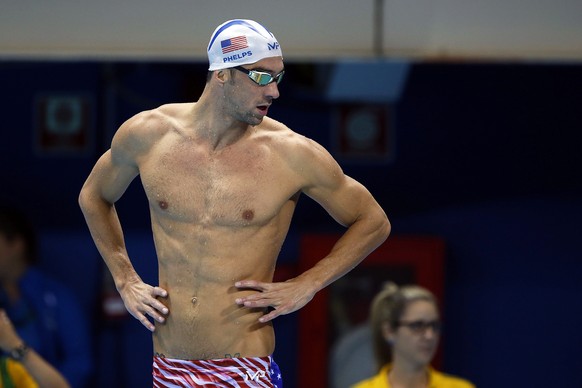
[[405, 332], [21, 366]]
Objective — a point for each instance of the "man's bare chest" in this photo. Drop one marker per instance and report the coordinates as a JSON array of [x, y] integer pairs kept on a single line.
[[229, 188]]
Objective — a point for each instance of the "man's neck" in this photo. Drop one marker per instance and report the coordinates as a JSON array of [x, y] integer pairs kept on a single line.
[[216, 128]]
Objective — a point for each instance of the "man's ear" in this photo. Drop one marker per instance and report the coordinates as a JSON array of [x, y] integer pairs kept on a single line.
[[221, 75]]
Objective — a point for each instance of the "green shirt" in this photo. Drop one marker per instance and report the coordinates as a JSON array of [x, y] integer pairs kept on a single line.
[[14, 375]]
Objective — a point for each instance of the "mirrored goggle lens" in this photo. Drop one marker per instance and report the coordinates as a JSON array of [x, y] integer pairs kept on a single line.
[[264, 79]]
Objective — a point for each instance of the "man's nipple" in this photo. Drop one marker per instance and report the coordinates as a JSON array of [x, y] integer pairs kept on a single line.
[[248, 215], [163, 205]]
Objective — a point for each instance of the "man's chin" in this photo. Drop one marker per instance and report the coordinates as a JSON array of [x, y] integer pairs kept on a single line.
[[255, 120]]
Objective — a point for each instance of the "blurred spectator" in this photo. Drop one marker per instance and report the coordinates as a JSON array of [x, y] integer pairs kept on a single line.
[[45, 313], [406, 327], [23, 367]]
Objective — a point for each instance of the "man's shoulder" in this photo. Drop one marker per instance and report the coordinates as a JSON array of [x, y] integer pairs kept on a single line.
[[292, 146], [158, 117], [272, 126], [145, 128], [173, 110], [281, 133]]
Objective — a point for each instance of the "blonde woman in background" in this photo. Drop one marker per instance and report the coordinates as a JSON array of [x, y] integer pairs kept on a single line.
[[405, 332]]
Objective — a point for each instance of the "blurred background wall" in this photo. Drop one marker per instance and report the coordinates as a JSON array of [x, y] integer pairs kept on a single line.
[[462, 118], [511, 29]]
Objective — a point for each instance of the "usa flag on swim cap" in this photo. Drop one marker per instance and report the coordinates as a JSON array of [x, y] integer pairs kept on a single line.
[[233, 44]]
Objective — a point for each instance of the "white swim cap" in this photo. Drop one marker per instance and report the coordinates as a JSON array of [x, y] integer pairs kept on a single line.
[[241, 42]]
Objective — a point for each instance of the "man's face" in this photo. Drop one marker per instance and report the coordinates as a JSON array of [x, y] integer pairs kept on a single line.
[[250, 102]]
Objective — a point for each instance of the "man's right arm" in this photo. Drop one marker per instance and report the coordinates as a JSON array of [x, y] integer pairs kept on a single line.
[[106, 183]]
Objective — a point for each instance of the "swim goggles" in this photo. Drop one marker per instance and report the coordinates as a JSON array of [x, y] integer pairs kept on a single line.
[[261, 78]]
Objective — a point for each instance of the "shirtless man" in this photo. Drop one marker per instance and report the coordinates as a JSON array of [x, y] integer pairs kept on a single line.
[[222, 181]]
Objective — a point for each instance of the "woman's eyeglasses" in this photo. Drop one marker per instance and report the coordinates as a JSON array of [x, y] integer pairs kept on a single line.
[[420, 327]]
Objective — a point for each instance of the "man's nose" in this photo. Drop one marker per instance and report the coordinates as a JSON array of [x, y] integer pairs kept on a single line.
[[272, 90]]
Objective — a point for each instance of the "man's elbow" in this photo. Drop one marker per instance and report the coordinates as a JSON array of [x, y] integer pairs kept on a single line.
[[87, 200], [381, 224], [385, 228], [83, 199]]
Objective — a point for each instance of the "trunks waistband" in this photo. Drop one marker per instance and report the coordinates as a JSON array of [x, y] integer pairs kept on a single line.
[[224, 372]]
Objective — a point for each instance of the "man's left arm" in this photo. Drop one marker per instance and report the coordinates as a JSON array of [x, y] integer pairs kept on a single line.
[[351, 205]]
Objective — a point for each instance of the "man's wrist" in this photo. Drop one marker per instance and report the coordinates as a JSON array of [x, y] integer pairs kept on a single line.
[[18, 353]]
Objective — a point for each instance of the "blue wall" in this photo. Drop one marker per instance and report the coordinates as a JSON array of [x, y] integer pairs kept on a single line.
[[487, 156]]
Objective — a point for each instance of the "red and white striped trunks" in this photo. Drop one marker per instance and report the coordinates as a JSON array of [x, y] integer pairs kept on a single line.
[[241, 372]]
